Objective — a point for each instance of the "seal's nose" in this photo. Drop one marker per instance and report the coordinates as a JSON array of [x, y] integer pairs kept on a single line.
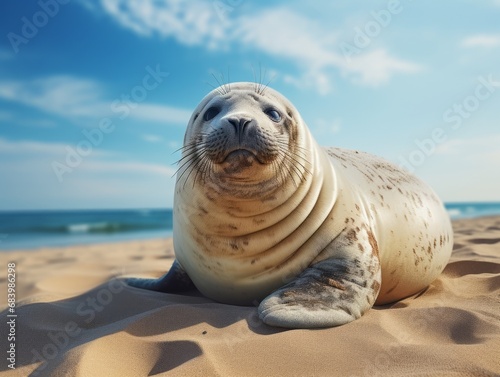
[[241, 125]]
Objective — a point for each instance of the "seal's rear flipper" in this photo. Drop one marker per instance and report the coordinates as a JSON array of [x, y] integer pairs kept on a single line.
[[330, 293], [174, 281]]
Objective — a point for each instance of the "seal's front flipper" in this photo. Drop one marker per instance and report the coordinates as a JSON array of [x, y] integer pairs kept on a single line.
[[330, 293], [174, 281]]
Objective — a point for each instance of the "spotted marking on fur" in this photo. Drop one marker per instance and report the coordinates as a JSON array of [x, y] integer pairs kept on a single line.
[[373, 243], [352, 236], [335, 284]]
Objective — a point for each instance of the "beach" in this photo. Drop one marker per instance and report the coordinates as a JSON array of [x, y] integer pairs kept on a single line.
[[75, 318]]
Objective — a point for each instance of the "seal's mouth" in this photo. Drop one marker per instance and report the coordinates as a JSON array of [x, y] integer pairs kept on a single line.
[[242, 155]]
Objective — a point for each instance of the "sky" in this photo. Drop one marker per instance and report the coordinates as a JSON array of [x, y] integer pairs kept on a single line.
[[95, 95]]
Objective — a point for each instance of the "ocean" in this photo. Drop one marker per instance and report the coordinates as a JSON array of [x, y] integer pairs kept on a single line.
[[35, 229]]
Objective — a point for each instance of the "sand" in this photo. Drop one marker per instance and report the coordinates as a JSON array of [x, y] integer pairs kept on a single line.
[[74, 320]]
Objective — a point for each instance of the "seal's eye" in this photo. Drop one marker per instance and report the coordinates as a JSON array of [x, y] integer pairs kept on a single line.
[[273, 114], [211, 113]]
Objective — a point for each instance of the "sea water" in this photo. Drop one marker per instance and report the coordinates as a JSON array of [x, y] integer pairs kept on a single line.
[[35, 229]]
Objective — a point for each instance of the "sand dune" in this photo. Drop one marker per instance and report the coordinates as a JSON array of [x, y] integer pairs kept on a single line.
[[74, 319]]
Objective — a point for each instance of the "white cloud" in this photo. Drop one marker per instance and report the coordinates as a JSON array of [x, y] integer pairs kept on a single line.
[[152, 138], [61, 95], [93, 162], [376, 67], [191, 22], [40, 123], [161, 113], [330, 126], [297, 38], [29, 182], [479, 148], [278, 32], [315, 49], [29, 147], [482, 40], [78, 98], [465, 169], [128, 167], [6, 116]]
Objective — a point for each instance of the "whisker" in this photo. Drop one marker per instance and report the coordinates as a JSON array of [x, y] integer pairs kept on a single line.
[[292, 171], [190, 152], [254, 78], [295, 158], [202, 169], [193, 156], [262, 76], [191, 169], [213, 86], [198, 170], [185, 148], [186, 160], [297, 164], [199, 141], [262, 80], [190, 158], [220, 89], [298, 150], [282, 173], [224, 83], [184, 167], [227, 86], [267, 84]]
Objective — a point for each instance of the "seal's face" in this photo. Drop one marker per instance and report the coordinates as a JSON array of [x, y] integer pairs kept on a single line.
[[243, 136]]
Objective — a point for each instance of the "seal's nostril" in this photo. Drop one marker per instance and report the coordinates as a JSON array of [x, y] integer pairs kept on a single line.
[[239, 124], [243, 123], [235, 122]]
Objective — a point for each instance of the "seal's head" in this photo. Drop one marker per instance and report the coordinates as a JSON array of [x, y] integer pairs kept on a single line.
[[243, 138]]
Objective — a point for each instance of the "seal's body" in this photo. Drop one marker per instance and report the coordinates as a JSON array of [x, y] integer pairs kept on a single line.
[[317, 236]]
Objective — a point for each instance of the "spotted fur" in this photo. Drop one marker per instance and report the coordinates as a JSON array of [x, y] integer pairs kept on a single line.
[[317, 236]]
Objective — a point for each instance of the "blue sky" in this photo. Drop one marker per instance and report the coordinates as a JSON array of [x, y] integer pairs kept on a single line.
[[95, 96]]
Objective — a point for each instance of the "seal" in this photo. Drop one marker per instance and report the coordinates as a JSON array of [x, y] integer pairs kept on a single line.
[[264, 215]]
